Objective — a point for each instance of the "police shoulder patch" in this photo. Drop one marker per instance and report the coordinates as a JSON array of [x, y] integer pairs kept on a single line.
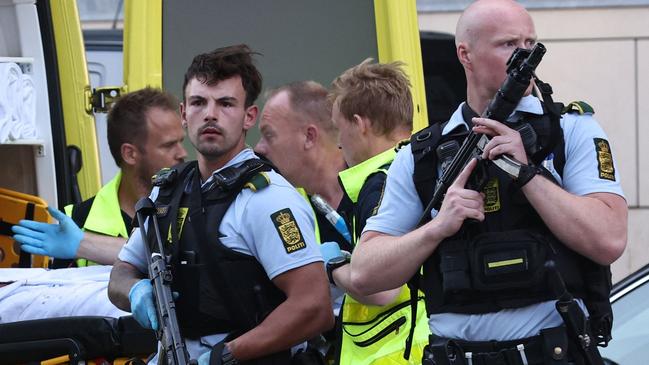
[[288, 230], [604, 159], [401, 144], [578, 107], [164, 176], [258, 182]]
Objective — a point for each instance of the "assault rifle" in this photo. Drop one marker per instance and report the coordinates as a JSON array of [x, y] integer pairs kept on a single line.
[[168, 333], [520, 70]]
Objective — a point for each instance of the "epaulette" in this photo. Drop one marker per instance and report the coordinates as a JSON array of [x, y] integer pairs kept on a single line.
[[401, 144], [578, 107], [237, 177], [258, 182], [163, 177]]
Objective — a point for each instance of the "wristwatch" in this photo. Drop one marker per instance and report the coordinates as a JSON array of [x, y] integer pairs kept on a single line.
[[335, 263]]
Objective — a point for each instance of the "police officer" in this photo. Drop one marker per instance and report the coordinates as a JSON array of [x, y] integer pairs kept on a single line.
[[299, 137], [144, 135], [486, 281], [373, 112], [245, 262]]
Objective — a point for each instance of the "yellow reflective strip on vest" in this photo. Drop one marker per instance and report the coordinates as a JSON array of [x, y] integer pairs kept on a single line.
[[354, 177], [495, 264]]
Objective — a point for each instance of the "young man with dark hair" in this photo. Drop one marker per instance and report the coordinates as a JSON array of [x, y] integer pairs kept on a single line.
[[247, 268]]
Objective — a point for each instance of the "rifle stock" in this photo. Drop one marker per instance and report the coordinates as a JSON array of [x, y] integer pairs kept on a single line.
[[175, 352]]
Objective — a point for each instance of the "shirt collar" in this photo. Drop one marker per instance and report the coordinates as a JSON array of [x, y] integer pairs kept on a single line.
[[528, 104], [244, 155]]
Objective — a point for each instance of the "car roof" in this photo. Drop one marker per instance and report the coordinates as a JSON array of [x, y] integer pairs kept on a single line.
[[630, 283]]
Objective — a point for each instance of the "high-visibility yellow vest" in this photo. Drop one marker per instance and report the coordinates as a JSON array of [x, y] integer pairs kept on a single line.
[[105, 215], [377, 334]]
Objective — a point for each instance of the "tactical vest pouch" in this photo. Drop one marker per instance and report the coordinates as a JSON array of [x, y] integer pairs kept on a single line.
[[507, 260], [454, 266], [492, 262]]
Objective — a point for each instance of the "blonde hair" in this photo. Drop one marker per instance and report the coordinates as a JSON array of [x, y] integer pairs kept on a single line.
[[380, 92]]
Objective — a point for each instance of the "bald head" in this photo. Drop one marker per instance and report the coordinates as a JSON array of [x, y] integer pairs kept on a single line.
[[488, 32], [484, 15], [309, 104]]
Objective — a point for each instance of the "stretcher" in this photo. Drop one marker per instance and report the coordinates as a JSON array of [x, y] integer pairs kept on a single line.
[[15, 206], [74, 340]]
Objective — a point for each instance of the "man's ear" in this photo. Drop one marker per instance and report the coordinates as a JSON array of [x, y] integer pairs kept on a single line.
[[363, 124], [464, 55], [183, 115], [311, 134], [251, 117], [129, 153]]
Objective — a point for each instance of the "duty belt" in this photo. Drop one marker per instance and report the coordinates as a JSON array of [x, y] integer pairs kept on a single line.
[[549, 347]]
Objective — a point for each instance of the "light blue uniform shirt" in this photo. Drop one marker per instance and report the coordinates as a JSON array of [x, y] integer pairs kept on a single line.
[[247, 228], [580, 177]]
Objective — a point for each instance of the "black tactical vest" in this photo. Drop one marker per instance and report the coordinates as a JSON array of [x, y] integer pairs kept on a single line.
[[221, 290], [499, 263]]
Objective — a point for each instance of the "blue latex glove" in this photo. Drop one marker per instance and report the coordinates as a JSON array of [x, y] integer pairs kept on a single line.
[[204, 359], [329, 250], [142, 307], [60, 240]]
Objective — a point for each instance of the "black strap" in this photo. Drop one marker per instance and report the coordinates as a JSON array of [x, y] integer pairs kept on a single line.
[[25, 259], [423, 144], [413, 286], [5, 228], [81, 211], [554, 112]]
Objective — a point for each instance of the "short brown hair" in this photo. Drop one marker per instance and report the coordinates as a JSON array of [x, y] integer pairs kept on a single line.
[[380, 92], [309, 98], [126, 121], [224, 63]]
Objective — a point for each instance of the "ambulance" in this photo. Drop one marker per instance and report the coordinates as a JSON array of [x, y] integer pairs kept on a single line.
[[49, 145]]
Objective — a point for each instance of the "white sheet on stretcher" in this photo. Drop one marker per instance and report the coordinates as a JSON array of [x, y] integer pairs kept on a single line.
[[40, 293]]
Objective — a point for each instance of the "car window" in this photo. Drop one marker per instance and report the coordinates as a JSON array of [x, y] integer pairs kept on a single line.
[[630, 328]]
